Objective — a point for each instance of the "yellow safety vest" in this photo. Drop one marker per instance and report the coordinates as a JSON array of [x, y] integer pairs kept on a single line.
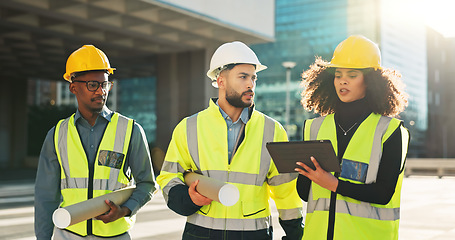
[[200, 143], [356, 219], [78, 185]]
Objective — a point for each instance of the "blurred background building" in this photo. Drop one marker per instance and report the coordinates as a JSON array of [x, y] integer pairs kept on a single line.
[[306, 28], [162, 49]]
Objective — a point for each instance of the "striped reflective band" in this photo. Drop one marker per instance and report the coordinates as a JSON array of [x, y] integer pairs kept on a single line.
[[98, 184], [191, 138], [232, 177], [287, 214], [376, 151], [233, 224], [362, 209], [315, 126], [173, 182], [63, 149], [237, 177]]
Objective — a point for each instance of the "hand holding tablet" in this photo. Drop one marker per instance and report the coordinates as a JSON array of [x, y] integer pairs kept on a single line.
[[286, 154]]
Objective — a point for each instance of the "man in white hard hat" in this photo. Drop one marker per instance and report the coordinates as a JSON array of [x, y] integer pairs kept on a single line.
[[91, 153], [226, 142]]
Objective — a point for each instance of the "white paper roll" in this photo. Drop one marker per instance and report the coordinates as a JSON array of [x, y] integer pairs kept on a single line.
[[72, 214], [224, 193], [228, 195]]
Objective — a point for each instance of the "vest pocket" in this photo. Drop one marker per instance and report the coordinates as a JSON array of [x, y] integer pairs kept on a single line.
[[353, 170], [252, 208], [205, 209], [110, 159]]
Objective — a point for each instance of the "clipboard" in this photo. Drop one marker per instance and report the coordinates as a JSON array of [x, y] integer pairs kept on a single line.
[[286, 154]]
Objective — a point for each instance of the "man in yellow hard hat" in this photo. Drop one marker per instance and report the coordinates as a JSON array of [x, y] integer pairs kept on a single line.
[[227, 142], [91, 153]]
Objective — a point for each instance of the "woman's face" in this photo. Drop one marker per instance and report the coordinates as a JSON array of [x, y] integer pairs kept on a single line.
[[349, 84]]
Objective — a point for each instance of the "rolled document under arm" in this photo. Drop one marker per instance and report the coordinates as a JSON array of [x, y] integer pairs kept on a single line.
[[224, 193], [72, 214]]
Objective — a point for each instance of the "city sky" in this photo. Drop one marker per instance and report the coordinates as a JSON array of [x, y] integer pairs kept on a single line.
[[439, 15]]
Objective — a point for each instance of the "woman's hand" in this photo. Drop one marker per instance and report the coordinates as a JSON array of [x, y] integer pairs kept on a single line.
[[319, 175]]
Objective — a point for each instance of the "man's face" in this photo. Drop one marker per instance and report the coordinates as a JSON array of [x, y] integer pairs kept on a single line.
[[90, 101], [240, 83]]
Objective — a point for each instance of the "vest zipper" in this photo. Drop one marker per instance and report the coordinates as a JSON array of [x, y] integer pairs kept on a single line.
[[90, 194], [227, 180]]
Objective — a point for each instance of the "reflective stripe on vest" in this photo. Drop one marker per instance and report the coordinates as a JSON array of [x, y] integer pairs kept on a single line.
[[98, 184], [244, 178], [231, 224], [376, 150], [236, 177], [108, 174], [364, 210]]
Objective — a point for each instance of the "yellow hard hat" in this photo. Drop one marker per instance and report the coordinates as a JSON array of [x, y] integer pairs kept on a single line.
[[87, 58], [356, 52]]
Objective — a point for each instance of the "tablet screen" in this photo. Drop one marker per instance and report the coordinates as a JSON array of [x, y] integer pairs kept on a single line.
[[286, 154]]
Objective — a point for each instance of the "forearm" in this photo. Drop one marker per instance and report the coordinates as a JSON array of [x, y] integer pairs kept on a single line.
[[293, 228], [180, 202], [141, 168], [141, 196]]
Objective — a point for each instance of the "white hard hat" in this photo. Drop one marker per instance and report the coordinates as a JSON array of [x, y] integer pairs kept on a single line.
[[232, 53]]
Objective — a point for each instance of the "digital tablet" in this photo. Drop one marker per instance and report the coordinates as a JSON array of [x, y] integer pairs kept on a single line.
[[286, 154]]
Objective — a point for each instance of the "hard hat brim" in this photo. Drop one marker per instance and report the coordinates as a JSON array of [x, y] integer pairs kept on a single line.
[[67, 76], [212, 76]]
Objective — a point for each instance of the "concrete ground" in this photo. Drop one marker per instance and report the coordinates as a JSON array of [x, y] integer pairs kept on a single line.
[[427, 211]]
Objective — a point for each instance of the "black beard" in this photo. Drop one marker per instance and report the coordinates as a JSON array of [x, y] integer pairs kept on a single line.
[[236, 100]]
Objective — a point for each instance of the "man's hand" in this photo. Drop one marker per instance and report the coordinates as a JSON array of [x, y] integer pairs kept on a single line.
[[114, 213], [319, 175], [196, 197]]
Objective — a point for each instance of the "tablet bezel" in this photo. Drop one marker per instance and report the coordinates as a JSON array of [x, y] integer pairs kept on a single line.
[[286, 154]]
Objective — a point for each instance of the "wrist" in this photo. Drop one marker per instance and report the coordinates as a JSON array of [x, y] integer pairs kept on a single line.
[[126, 211]]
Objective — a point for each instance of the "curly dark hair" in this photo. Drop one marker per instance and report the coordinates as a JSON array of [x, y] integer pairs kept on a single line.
[[384, 92]]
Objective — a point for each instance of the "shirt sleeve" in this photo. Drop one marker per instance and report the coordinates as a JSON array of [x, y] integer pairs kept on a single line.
[[47, 188], [171, 180], [389, 170], [141, 168]]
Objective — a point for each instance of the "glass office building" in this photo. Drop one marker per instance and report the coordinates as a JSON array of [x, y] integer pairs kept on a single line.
[[136, 98], [303, 29], [306, 28]]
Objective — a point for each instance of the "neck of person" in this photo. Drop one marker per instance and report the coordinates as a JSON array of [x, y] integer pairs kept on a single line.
[[231, 111], [350, 113], [89, 116]]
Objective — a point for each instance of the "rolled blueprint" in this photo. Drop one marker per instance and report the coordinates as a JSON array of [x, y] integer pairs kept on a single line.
[[224, 193], [72, 214]]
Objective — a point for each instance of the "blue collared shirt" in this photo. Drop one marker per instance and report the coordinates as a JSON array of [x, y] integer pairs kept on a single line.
[[233, 128], [47, 184]]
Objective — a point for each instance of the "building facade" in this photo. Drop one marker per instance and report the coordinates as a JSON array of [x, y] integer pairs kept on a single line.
[[166, 43], [305, 29]]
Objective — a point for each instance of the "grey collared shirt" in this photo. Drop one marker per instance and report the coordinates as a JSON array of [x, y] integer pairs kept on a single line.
[[233, 128], [47, 184]]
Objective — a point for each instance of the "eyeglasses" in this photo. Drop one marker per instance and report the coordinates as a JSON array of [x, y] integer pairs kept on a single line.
[[92, 86]]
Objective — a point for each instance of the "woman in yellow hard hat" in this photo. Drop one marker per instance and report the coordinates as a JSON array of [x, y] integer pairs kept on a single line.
[[357, 100]]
